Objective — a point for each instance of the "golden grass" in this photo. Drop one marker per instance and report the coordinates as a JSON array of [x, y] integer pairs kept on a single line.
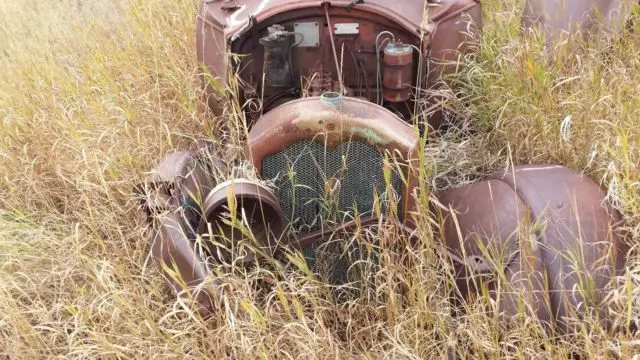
[[93, 94]]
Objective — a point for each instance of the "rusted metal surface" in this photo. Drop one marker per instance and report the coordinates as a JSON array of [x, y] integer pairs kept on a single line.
[[331, 123], [570, 16], [543, 233], [321, 82], [547, 229], [396, 74], [310, 118], [358, 34], [172, 187], [184, 270], [235, 14], [257, 214], [188, 209], [199, 219]]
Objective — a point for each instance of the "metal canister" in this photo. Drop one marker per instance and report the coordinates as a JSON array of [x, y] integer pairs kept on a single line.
[[277, 53], [396, 72]]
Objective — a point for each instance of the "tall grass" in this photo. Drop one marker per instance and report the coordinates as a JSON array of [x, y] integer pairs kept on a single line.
[[92, 94]]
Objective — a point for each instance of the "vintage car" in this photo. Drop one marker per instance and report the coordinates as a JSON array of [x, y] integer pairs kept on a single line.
[[330, 167], [333, 153]]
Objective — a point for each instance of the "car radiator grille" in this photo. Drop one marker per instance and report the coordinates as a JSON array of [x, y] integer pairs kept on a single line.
[[315, 185]]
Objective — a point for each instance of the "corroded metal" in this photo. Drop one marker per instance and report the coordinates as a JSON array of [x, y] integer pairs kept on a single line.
[[547, 230], [198, 219], [332, 124], [192, 227], [179, 181], [396, 73], [183, 268], [259, 222], [358, 32], [321, 82], [543, 233], [311, 118]]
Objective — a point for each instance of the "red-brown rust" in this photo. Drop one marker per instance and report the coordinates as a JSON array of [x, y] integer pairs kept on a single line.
[[222, 28], [544, 228], [180, 202], [409, 14], [178, 175], [547, 229], [254, 203], [396, 72], [183, 269], [310, 118], [197, 208]]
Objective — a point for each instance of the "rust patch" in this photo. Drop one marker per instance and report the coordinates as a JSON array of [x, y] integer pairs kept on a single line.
[[286, 52], [537, 220]]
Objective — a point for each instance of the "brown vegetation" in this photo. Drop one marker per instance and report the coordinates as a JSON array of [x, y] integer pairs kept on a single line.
[[93, 94]]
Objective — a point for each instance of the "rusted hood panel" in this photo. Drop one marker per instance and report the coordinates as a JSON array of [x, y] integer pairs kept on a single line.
[[234, 15], [310, 118]]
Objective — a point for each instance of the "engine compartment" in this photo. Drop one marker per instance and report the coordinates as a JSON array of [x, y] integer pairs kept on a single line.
[[384, 52], [292, 55]]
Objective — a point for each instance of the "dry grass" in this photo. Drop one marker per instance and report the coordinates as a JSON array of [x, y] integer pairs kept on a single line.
[[93, 93]]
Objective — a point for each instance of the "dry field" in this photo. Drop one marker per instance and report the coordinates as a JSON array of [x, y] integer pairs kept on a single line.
[[93, 93]]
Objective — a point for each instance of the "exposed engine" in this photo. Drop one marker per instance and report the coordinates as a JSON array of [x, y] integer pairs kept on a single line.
[[381, 51]]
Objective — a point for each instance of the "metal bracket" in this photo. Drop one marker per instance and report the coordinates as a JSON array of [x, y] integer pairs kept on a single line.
[[353, 4]]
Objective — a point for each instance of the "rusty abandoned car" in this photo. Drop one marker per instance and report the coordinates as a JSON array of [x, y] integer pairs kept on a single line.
[[334, 84]]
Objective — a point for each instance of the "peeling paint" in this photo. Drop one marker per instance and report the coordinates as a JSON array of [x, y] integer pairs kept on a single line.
[[370, 135]]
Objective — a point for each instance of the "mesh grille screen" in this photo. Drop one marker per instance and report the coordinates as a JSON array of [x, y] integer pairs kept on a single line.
[[345, 260], [314, 185]]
